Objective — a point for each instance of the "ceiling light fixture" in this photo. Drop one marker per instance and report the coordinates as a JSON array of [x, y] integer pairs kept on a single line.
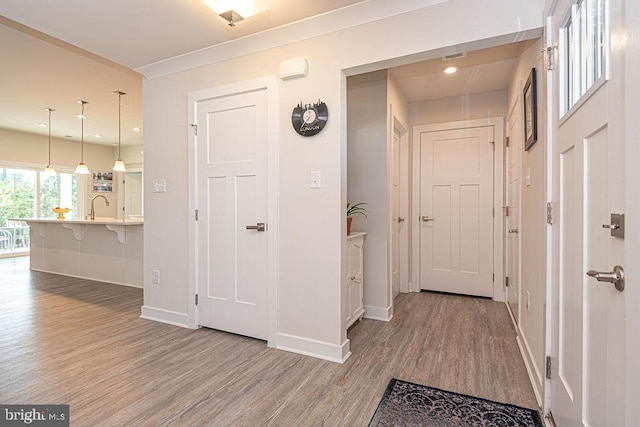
[[82, 168], [42, 125], [231, 16], [234, 11], [49, 170], [119, 164], [450, 69]]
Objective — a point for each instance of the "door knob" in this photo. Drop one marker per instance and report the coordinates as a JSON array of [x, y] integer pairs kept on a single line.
[[400, 219], [261, 226], [513, 230], [616, 277], [426, 218]]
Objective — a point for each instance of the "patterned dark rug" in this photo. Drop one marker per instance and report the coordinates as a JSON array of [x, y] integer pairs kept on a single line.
[[408, 404]]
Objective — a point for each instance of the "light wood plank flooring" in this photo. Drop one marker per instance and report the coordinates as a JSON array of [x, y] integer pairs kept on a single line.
[[65, 340]]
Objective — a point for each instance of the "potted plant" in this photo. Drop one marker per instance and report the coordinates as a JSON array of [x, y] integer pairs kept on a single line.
[[352, 210]]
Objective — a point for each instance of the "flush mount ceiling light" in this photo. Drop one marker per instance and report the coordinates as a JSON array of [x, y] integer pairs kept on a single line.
[[82, 168], [451, 69], [119, 164], [49, 170]]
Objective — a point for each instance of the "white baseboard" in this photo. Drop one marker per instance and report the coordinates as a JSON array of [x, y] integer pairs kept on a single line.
[[378, 313], [533, 370], [319, 349], [165, 316], [93, 279]]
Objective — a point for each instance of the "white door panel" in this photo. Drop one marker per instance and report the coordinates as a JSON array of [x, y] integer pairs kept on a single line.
[[395, 214], [512, 222], [587, 317], [232, 194], [456, 208]]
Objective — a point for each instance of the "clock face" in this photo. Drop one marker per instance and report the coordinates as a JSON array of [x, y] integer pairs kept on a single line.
[[309, 119]]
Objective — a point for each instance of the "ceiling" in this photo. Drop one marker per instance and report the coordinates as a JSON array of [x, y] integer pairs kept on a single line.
[[55, 53]]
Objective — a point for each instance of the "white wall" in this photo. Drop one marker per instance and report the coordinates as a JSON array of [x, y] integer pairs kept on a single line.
[[533, 229], [31, 149], [312, 225], [367, 177], [459, 108]]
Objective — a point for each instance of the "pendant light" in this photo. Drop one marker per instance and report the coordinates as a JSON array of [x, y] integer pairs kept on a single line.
[[119, 165], [82, 168], [49, 170]]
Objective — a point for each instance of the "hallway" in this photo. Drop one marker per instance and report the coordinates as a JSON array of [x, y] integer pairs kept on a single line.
[[66, 340]]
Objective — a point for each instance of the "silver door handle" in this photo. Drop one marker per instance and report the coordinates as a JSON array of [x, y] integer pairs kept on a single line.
[[400, 219], [513, 230], [611, 226], [261, 226], [616, 277], [426, 218]]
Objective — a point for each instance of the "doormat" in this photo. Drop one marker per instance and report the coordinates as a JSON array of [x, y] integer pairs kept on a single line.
[[408, 404]]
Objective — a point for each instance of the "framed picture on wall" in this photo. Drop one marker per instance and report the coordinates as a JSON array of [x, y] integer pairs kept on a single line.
[[530, 102], [102, 182]]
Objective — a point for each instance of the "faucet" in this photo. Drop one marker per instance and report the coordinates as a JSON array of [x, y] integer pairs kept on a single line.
[[93, 212]]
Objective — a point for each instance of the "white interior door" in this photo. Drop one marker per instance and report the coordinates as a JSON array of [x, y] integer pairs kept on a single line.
[[456, 210], [588, 347], [512, 212], [231, 151], [133, 194], [396, 220]]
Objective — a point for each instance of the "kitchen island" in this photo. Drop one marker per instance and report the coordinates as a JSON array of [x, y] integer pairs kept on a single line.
[[104, 249]]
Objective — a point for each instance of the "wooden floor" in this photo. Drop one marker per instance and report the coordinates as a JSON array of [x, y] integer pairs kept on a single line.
[[82, 343]]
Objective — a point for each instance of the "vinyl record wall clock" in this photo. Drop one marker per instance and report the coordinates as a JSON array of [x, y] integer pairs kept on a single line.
[[309, 119]]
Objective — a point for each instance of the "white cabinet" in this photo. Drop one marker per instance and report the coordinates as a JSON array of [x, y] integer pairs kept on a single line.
[[354, 280]]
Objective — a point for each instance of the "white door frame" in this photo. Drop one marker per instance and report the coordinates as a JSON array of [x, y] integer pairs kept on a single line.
[[403, 129], [270, 83], [514, 111], [498, 198]]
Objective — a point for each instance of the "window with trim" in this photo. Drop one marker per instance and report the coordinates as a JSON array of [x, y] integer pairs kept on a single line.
[[26, 192], [582, 49]]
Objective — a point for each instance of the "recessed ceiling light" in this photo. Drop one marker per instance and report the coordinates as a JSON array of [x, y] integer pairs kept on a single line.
[[97, 135], [42, 125], [136, 129], [450, 69]]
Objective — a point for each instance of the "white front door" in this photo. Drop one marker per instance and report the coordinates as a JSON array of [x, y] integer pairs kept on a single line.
[[587, 327], [231, 153], [456, 210], [512, 212]]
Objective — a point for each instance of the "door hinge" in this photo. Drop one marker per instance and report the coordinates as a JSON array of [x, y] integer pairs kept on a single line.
[[550, 213], [494, 212], [195, 128], [196, 299], [507, 282], [506, 211], [548, 368], [493, 277], [507, 142], [551, 57], [196, 214]]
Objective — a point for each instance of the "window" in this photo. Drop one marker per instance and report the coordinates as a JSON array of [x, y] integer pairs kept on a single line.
[[28, 193], [582, 50]]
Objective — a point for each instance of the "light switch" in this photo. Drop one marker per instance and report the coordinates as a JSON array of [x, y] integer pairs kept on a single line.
[[527, 179], [159, 186], [315, 179]]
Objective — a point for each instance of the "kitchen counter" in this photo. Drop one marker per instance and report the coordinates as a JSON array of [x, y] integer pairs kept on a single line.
[[104, 249]]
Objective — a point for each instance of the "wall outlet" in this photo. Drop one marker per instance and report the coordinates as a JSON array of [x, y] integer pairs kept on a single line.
[[155, 277], [528, 301]]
